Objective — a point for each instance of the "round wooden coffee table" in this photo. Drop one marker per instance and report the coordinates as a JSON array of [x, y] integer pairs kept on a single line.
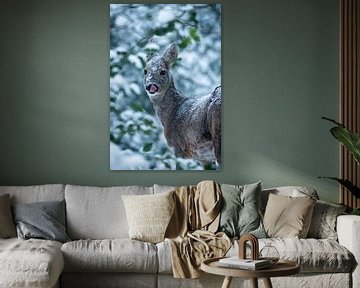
[[281, 268]]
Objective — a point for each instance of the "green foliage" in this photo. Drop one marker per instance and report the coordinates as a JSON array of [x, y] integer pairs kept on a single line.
[[147, 147], [164, 30], [351, 141], [348, 138], [355, 211], [185, 42], [347, 184], [193, 32]]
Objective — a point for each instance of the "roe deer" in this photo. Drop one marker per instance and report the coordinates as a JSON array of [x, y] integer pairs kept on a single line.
[[192, 125]]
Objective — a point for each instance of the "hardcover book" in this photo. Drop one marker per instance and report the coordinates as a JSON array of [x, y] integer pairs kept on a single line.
[[236, 262]]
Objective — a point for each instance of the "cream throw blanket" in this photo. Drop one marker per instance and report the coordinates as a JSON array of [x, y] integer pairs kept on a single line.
[[191, 231]]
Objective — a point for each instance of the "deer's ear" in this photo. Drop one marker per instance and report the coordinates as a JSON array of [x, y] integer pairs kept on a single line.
[[171, 53]]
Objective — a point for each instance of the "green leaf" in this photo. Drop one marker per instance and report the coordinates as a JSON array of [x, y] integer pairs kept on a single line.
[[347, 184], [194, 34], [148, 122], [131, 129], [193, 17], [348, 138], [164, 30], [137, 107], [147, 147], [355, 211], [185, 42]]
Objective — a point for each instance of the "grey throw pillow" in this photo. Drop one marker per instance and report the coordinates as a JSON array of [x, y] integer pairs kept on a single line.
[[44, 220], [240, 213], [323, 222]]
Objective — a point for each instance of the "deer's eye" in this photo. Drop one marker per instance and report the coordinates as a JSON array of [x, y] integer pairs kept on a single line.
[[162, 72], [145, 71]]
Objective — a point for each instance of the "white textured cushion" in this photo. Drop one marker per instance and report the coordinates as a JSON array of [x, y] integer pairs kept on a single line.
[[36, 193], [149, 215], [116, 255], [98, 213], [30, 263]]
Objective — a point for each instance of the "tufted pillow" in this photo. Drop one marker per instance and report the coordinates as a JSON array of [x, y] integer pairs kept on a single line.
[[323, 222], [288, 217], [7, 226], [240, 210], [149, 215]]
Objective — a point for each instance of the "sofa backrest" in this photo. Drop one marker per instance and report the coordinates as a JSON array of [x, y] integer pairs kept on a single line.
[[36, 193], [162, 188], [98, 212], [293, 191]]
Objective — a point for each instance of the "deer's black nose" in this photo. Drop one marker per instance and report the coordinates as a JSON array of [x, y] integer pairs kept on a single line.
[[152, 88]]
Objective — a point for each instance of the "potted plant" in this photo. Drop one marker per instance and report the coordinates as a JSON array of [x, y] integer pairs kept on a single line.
[[351, 141]]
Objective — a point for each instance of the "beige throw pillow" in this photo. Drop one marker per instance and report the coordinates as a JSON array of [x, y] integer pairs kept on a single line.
[[7, 226], [288, 217], [149, 215]]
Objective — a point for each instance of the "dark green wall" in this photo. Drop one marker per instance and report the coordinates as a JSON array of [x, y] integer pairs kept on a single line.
[[280, 75]]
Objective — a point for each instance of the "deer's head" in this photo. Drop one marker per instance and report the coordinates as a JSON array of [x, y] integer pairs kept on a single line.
[[157, 77]]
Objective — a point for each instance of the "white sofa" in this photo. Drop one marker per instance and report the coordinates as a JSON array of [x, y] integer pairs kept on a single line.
[[101, 254]]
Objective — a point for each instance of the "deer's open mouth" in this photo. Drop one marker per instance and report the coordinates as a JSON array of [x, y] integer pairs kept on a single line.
[[152, 88]]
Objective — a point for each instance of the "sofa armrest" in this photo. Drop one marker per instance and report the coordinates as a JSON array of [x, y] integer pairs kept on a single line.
[[348, 230]]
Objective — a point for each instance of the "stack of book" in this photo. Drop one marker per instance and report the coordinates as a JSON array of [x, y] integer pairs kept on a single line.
[[248, 264]]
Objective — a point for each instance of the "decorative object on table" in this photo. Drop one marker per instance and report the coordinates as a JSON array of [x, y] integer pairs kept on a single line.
[[269, 253], [351, 142], [254, 246], [241, 261]]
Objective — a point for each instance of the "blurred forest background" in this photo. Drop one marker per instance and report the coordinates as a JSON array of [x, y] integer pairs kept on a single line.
[[136, 135]]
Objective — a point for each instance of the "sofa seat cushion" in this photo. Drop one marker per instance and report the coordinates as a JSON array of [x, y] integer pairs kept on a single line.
[[313, 255], [110, 255], [30, 263]]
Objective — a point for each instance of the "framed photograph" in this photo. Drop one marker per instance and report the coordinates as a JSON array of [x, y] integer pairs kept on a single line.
[[165, 86]]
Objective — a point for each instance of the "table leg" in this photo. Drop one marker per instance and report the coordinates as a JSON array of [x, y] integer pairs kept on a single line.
[[267, 283], [254, 282], [227, 282]]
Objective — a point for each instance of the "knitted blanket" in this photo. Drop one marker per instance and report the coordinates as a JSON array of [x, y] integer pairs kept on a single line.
[[191, 232]]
